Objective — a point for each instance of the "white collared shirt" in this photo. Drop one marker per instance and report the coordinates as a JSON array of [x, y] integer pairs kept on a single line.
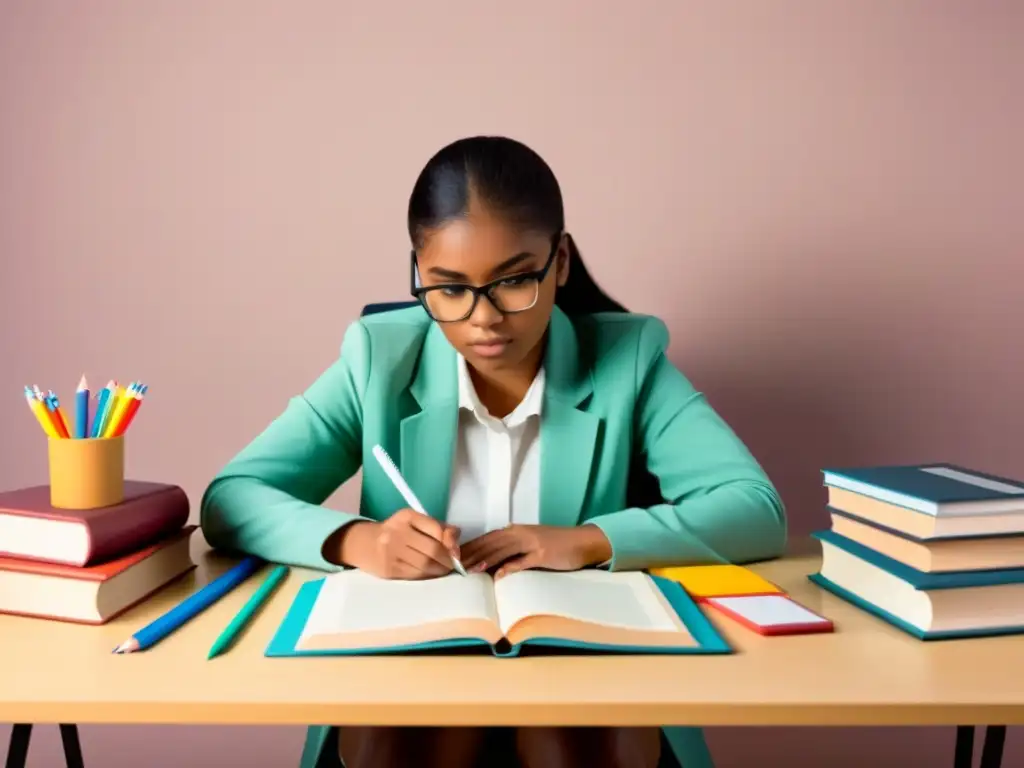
[[496, 468]]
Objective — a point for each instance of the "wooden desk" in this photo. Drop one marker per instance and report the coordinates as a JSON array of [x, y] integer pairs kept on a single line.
[[867, 673]]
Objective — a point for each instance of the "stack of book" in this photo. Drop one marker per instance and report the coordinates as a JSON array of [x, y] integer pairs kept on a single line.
[[935, 549], [90, 565]]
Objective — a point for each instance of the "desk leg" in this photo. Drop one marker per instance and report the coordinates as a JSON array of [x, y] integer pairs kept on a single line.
[[72, 747], [992, 750], [17, 750], [964, 751]]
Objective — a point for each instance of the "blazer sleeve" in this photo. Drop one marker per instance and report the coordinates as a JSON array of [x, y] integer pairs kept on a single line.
[[267, 500], [720, 505]]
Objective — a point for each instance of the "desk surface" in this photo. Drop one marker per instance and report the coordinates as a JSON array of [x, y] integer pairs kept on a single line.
[[866, 673]]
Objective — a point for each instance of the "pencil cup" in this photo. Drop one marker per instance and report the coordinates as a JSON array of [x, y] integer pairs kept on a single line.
[[86, 473]]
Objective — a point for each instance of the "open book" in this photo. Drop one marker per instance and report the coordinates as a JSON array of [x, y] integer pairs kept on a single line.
[[353, 612]]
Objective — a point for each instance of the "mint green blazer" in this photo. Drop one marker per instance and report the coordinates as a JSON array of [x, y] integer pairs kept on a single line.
[[611, 394]]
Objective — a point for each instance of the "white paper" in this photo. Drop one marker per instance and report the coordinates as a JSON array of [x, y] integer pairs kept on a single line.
[[769, 610], [623, 600], [354, 601]]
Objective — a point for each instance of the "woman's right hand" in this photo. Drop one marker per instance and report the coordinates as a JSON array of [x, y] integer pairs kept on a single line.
[[407, 545]]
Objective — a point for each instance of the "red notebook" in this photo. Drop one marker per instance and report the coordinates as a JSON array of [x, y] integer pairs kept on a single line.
[[96, 594], [771, 614], [31, 528]]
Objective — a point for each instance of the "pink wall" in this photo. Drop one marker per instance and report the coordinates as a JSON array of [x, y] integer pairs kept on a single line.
[[824, 201]]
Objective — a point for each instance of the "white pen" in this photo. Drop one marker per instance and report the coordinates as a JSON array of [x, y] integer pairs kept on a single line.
[[403, 487]]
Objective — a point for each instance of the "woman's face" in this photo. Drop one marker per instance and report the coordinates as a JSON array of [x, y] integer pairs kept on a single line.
[[478, 250]]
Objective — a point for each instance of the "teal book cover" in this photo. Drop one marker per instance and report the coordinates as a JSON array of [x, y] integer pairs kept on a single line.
[[919, 580], [708, 640], [922, 579], [931, 488]]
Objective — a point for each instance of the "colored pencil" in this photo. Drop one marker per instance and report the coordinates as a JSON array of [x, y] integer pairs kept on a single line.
[[191, 607], [102, 408], [39, 411], [82, 409], [58, 415], [227, 637], [114, 410], [139, 396], [117, 413], [47, 411]]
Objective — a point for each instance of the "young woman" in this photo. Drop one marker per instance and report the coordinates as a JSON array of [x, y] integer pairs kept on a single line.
[[525, 408]]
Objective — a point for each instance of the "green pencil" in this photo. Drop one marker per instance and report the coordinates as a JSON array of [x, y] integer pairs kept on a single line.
[[259, 597]]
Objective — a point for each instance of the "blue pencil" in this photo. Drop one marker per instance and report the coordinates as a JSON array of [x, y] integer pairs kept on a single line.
[[191, 607], [82, 409]]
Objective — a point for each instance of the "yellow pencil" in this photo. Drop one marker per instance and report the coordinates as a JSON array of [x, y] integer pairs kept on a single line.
[[62, 427], [38, 410], [118, 407]]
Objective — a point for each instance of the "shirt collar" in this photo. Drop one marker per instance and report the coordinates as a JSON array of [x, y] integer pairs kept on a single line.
[[530, 405]]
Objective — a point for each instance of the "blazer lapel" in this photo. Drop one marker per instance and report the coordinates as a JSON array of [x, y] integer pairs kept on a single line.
[[427, 437], [568, 435]]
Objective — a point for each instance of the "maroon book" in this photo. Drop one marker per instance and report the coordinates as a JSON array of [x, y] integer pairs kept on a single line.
[[31, 528]]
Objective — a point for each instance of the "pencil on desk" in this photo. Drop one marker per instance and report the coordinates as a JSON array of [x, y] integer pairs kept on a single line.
[[82, 409], [252, 604], [191, 607]]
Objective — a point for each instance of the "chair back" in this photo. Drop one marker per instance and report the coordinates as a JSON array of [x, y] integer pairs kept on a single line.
[[386, 306]]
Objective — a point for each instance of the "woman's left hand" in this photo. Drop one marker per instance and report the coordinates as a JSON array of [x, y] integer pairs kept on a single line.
[[520, 547]]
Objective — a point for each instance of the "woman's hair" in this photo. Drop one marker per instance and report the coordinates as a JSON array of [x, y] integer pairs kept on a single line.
[[514, 182]]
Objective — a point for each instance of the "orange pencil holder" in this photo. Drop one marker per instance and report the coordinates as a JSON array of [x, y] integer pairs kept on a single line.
[[86, 473]]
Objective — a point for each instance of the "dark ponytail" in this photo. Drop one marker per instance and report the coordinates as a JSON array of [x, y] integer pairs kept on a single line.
[[514, 181]]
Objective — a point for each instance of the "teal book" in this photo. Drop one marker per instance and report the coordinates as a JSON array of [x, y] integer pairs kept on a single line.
[[932, 489], [930, 606], [353, 613]]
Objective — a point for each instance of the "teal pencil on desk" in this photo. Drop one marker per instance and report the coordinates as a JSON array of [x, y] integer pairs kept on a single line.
[[259, 597], [191, 607]]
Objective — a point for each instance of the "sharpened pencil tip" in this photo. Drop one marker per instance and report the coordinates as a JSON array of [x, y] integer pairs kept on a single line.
[[83, 384]]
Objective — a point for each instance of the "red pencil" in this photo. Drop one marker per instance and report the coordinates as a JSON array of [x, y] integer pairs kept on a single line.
[[133, 406]]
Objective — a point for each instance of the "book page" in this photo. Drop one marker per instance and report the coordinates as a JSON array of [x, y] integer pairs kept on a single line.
[[354, 601], [625, 600]]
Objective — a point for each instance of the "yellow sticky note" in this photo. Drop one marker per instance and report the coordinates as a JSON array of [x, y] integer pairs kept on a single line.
[[703, 581]]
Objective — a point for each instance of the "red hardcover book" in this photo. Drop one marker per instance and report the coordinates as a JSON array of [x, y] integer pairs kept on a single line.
[[33, 529], [96, 594]]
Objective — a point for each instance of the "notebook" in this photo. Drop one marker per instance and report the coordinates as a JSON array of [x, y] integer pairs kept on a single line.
[[771, 614], [706, 581], [352, 612]]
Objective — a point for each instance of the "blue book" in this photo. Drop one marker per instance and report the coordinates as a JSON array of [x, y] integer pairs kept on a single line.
[[926, 605], [932, 489], [352, 613]]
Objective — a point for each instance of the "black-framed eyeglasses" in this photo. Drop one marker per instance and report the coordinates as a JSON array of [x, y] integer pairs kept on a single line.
[[452, 302]]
